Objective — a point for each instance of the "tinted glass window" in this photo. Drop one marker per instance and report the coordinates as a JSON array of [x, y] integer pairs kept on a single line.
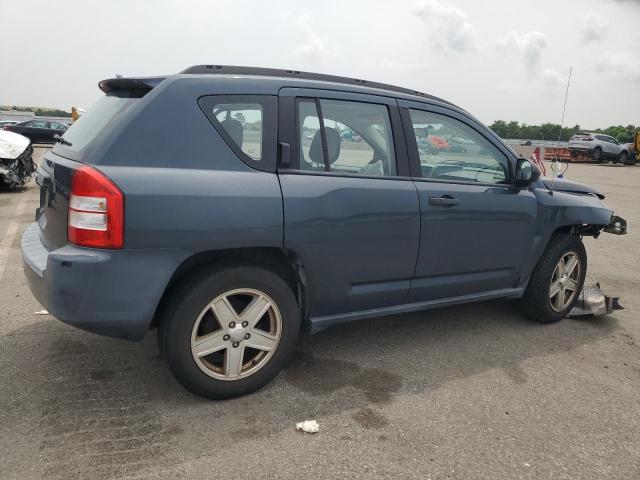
[[90, 124], [357, 136], [38, 124], [243, 124], [451, 150]]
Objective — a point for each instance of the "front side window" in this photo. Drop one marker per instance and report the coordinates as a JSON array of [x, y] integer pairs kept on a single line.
[[451, 150], [356, 138], [38, 124], [243, 124]]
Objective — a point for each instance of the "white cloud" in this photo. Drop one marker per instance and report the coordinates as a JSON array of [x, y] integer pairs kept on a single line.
[[447, 24], [619, 66], [529, 46], [314, 46], [593, 28], [552, 79]]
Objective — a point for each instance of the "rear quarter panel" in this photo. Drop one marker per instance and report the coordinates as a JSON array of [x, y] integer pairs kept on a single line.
[[184, 187]]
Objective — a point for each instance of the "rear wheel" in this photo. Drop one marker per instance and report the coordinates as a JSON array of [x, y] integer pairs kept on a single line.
[[557, 280], [229, 331], [596, 154]]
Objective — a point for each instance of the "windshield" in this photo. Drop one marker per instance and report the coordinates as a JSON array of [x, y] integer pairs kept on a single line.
[[105, 111]]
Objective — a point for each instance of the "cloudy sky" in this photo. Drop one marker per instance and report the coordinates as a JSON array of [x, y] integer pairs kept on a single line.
[[504, 59]]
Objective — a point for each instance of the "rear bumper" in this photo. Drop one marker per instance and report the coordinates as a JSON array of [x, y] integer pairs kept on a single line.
[[109, 292]]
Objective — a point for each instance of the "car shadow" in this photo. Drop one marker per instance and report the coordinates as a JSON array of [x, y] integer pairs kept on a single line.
[[96, 394]]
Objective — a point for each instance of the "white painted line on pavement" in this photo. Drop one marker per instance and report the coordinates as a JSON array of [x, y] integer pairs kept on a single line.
[[10, 236]]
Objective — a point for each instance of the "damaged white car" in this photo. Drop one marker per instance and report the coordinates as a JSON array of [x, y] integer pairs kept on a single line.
[[16, 162]]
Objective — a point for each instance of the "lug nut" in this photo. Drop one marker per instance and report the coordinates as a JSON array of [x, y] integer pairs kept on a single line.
[[235, 344], [225, 338], [247, 336], [232, 325], [245, 323]]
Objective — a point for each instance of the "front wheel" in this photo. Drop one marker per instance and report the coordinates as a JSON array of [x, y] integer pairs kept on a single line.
[[557, 280], [630, 159], [227, 332]]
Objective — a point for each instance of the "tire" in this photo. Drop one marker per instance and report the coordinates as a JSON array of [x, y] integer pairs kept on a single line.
[[188, 323], [537, 302], [630, 158], [596, 154]]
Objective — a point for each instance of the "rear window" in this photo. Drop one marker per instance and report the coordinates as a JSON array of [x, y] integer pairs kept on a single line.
[[106, 110], [580, 136]]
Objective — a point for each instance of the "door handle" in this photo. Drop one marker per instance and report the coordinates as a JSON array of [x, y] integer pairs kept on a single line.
[[444, 201]]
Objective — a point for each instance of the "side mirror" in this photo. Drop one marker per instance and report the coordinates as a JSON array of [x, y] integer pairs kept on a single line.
[[526, 173]]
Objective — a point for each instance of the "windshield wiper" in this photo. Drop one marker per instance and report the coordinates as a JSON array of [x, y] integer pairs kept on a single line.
[[61, 140]]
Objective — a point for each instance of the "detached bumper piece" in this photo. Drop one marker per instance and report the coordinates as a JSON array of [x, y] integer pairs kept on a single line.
[[617, 226], [593, 302]]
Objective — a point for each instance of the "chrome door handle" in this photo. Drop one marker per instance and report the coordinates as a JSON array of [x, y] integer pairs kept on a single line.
[[444, 201]]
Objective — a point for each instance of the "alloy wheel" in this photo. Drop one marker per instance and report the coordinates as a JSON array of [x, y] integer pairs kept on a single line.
[[236, 334], [564, 281]]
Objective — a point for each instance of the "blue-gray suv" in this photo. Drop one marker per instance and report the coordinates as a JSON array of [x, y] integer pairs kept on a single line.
[[231, 207]]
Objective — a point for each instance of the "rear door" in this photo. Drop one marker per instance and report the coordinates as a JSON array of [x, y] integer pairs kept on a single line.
[[350, 207], [477, 231]]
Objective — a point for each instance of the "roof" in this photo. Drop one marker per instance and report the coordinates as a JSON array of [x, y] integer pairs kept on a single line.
[[147, 83], [320, 77]]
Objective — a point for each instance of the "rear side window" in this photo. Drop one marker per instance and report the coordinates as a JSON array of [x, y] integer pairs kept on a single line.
[[243, 124], [247, 123]]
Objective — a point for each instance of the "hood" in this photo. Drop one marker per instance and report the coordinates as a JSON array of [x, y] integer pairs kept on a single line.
[[12, 144], [568, 186]]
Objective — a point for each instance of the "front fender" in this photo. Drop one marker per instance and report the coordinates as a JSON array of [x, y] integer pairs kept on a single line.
[[558, 210]]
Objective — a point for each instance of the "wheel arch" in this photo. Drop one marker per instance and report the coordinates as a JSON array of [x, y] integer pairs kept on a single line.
[[285, 263]]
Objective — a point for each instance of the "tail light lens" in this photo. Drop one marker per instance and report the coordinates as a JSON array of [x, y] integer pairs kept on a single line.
[[96, 210]]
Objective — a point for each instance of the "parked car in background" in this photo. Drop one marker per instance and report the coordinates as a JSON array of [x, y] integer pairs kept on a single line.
[[16, 162], [38, 131], [600, 147], [160, 210], [7, 123]]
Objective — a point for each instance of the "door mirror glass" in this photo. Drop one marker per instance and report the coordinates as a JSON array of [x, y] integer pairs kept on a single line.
[[526, 173]]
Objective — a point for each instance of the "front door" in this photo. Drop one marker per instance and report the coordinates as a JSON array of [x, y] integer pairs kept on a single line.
[[477, 230], [351, 210]]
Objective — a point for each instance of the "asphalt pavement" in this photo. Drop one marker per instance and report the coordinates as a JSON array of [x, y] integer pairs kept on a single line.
[[474, 391]]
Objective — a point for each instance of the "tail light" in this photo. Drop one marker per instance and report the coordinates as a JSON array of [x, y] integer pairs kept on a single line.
[[96, 210]]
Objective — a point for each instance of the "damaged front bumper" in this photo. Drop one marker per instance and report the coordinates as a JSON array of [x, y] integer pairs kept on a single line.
[[16, 161], [617, 226]]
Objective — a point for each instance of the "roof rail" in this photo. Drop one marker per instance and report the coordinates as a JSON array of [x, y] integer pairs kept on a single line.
[[276, 72]]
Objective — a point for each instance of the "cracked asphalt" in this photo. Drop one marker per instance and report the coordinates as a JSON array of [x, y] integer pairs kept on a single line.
[[474, 391]]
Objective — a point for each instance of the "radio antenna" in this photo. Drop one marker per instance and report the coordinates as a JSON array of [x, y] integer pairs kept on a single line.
[[564, 108], [554, 167]]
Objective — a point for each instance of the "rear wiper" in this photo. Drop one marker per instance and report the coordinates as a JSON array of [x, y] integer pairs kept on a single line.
[[61, 140]]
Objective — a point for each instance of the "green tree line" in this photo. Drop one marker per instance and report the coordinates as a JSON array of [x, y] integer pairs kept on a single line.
[[552, 131], [40, 112]]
